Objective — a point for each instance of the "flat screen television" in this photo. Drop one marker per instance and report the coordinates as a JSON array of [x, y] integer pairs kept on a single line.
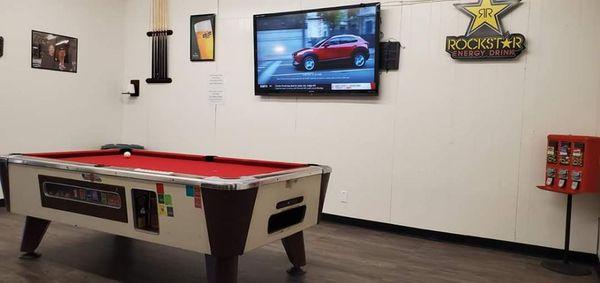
[[330, 51]]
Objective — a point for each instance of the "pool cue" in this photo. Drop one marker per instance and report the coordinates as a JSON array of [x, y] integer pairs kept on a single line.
[[153, 38], [156, 39], [154, 42], [164, 33], [165, 38], [160, 38]]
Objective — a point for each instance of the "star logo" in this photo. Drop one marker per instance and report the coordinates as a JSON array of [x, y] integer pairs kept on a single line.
[[486, 13]]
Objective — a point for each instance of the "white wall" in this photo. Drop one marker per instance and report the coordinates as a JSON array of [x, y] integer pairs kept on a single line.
[[48, 110], [448, 146]]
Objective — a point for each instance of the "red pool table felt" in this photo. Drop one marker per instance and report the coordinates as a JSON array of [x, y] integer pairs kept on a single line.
[[172, 162]]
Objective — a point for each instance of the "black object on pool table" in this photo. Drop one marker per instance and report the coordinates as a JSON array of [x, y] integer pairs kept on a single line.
[[122, 147]]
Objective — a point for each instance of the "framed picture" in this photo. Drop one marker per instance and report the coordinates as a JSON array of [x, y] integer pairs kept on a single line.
[[53, 52], [202, 37]]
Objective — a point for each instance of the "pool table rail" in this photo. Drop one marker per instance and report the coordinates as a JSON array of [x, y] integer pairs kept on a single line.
[[212, 182]]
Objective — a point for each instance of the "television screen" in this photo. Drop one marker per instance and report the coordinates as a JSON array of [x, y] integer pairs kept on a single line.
[[332, 51]]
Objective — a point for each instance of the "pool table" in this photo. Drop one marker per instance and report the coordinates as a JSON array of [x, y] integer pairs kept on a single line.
[[222, 207]]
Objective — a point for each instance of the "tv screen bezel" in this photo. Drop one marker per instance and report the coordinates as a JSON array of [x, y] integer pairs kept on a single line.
[[372, 92]]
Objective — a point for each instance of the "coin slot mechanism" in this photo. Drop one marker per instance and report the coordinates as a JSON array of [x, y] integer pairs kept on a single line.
[[576, 179], [550, 176], [563, 175], [145, 210]]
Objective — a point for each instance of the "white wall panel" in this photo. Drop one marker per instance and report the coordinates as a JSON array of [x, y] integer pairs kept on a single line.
[[458, 133], [168, 116], [449, 146], [49, 110], [561, 96]]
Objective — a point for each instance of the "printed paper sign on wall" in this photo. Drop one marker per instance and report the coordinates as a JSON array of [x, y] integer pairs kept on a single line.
[[485, 38]]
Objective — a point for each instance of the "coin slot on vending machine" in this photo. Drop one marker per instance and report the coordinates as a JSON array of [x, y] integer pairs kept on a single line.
[[577, 155], [550, 176], [576, 179], [563, 175], [563, 152], [551, 152]]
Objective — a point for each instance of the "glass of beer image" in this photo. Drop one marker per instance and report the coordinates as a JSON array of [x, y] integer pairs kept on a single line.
[[205, 38]]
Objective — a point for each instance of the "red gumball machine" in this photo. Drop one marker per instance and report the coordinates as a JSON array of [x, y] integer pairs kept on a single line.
[[572, 167]]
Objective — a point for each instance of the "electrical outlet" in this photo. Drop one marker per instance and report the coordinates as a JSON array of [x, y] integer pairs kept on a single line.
[[344, 196]]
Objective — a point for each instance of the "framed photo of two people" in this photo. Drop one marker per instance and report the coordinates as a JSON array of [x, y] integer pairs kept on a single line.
[[53, 52]]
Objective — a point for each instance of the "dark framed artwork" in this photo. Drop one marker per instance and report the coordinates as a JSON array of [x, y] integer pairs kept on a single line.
[[53, 52], [202, 37]]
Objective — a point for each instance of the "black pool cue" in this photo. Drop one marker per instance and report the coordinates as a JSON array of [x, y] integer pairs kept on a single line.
[[163, 54], [153, 38], [161, 38], [164, 57], [166, 54], [153, 56], [157, 75], [164, 38]]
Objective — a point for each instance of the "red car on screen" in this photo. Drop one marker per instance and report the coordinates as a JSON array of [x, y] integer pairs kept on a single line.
[[346, 47]]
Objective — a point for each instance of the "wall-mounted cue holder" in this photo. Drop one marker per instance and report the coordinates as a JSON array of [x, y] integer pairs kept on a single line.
[[159, 57], [159, 33]]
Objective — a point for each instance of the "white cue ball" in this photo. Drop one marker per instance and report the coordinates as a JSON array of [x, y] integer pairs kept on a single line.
[[127, 154]]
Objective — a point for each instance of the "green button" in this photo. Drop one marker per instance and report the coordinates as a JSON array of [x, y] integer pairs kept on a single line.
[[168, 200]]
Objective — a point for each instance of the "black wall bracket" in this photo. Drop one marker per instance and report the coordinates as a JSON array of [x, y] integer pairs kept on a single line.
[[152, 33], [136, 88], [1, 46]]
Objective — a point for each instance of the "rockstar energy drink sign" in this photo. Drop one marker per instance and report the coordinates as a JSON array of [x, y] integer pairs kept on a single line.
[[485, 38]]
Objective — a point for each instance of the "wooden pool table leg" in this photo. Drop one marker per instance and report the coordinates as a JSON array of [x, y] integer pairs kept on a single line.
[[294, 247], [35, 229], [221, 269]]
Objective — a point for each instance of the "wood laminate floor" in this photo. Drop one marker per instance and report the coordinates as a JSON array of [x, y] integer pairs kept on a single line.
[[336, 253]]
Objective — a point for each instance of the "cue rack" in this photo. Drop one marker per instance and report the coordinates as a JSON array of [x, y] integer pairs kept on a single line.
[[159, 34]]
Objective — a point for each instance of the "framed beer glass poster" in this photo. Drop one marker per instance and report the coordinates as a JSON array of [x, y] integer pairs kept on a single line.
[[202, 40], [53, 52]]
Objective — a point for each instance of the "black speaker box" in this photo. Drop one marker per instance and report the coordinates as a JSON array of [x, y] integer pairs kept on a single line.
[[389, 55]]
